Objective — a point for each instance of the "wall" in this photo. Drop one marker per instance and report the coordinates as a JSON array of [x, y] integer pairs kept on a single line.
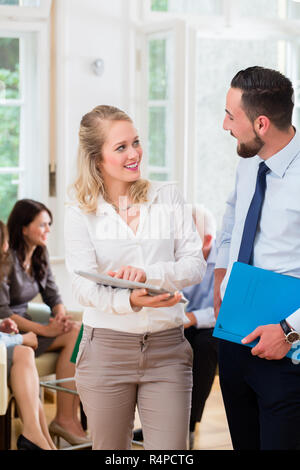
[[83, 30]]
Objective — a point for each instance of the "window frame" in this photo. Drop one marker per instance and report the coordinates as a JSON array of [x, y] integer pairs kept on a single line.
[[228, 25], [178, 29], [23, 12], [34, 123], [161, 103]]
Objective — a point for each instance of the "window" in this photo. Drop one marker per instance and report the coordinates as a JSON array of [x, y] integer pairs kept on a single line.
[[262, 8], [162, 79], [220, 38], [203, 7], [215, 155], [268, 9], [160, 128], [25, 8], [10, 118], [293, 8], [24, 117], [21, 3]]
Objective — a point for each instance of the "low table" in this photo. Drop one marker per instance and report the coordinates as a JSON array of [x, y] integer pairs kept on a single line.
[[57, 385]]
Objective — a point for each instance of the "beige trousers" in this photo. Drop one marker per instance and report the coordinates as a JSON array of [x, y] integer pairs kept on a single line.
[[116, 371]]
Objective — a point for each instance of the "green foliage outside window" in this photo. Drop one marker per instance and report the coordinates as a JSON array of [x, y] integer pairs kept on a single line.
[[158, 177], [157, 136], [8, 194], [9, 122], [9, 2], [159, 5], [157, 70], [158, 91]]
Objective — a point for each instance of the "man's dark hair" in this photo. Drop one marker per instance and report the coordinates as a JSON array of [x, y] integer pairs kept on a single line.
[[266, 92]]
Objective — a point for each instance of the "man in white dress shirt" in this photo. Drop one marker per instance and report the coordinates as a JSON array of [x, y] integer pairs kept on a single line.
[[260, 386]]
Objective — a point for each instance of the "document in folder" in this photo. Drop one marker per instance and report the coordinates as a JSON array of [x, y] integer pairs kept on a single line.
[[256, 297]]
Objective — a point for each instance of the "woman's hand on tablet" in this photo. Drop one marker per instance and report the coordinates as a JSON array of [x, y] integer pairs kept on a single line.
[[129, 273], [140, 298]]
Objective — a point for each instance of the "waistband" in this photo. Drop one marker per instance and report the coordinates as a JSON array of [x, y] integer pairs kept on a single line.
[[104, 333]]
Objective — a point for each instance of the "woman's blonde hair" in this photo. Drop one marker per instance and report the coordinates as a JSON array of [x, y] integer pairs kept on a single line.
[[92, 135]]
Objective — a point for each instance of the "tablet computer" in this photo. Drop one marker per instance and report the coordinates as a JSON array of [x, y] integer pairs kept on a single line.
[[124, 284]]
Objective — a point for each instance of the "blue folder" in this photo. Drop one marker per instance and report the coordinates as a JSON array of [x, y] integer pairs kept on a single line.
[[256, 297]]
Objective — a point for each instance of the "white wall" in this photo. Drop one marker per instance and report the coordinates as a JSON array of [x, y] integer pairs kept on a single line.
[[85, 30]]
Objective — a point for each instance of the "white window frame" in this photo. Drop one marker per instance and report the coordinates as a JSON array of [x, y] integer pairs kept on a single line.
[[227, 25], [178, 29], [167, 104], [34, 125], [150, 15], [18, 12]]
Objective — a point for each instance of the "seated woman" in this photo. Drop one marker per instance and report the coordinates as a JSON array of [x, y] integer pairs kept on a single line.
[[28, 227], [21, 372]]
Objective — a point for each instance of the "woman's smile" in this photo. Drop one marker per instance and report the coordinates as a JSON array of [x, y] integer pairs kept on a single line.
[[132, 166]]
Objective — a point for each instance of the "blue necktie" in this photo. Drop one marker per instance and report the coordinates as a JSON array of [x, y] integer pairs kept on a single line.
[[254, 211]]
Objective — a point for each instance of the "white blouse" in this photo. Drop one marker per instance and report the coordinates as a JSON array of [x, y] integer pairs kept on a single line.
[[166, 246]]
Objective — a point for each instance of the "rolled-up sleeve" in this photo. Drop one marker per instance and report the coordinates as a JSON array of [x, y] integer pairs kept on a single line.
[[189, 266], [11, 340], [81, 256]]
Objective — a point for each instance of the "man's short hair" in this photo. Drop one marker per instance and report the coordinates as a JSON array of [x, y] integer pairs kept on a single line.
[[204, 220], [266, 92]]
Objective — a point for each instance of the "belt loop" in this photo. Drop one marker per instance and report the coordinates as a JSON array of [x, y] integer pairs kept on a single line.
[[89, 332]]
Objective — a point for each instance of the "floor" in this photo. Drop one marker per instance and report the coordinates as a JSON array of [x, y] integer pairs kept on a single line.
[[211, 434]]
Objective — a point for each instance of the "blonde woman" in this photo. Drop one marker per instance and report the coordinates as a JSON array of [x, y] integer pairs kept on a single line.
[[133, 350]]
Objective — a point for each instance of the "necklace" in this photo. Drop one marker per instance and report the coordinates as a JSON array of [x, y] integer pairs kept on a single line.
[[122, 206], [123, 209], [27, 266]]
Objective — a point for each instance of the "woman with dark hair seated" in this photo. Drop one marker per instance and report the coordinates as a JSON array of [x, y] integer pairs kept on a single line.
[[22, 375], [28, 226]]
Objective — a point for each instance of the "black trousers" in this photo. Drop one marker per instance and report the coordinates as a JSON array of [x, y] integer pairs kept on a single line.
[[205, 348], [261, 398]]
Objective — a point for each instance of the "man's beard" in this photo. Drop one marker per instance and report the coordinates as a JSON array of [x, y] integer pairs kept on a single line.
[[250, 149]]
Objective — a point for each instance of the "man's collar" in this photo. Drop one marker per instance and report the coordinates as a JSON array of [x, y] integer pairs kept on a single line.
[[280, 161]]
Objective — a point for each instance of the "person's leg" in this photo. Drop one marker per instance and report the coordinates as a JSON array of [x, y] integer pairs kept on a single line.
[[106, 382], [44, 426], [110, 413], [205, 349], [164, 394], [67, 403], [277, 384], [24, 382], [239, 398]]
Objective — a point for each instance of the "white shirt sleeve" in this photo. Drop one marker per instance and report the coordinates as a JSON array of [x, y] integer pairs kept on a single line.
[[294, 320], [189, 266], [205, 317], [80, 255]]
